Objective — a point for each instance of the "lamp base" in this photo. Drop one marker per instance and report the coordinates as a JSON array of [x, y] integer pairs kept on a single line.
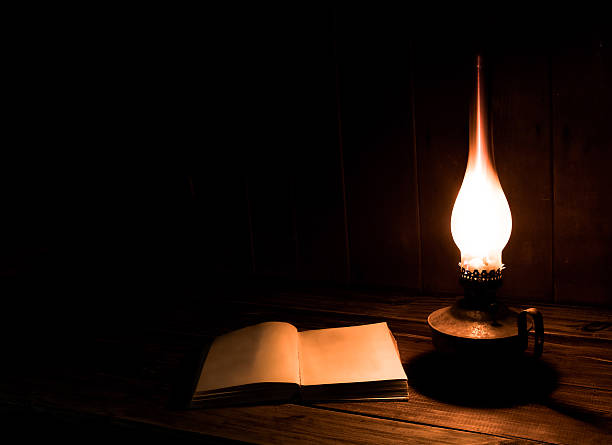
[[479, 326], [466, 329]]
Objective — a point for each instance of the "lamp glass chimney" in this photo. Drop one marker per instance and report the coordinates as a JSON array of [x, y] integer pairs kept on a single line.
[[481, 221]]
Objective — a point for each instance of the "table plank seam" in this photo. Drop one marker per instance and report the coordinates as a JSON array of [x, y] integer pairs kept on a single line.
[[402, 319], [376, 416]]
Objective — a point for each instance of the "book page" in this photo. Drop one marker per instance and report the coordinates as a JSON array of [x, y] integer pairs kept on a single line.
[[266, 352], [346, 355]]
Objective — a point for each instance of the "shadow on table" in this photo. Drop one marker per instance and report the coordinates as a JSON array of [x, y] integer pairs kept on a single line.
[[483, 383]]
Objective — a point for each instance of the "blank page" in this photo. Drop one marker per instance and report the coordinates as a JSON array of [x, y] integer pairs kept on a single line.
[[266, 352], [346, 355]]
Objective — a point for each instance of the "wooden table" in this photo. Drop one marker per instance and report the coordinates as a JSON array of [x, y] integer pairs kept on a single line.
[[121, 380]]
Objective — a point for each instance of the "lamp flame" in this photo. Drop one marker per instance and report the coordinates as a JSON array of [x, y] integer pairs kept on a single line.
[[481, 221]]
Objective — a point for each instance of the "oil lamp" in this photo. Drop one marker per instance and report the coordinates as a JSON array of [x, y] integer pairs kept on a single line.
[[481, 223]]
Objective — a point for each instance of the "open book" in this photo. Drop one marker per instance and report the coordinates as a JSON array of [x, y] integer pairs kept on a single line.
[[274, 362]]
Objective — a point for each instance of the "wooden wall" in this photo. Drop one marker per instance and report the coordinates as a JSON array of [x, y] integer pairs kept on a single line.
[[318, 145], [361, 147]]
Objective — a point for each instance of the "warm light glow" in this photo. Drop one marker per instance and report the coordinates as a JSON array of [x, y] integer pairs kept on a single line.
[[481, 221]]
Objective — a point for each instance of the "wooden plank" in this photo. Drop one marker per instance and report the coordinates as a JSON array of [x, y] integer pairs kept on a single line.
[[520, 121], [443, 90], [319, 194], [256, 424], [513, 411], [574, 417], [376, 112], [272, 214], [215, 230], [567, 321], [569, 332], [574, 359], [580, 361], [583, 413], [126, 376], [299, 424], [577, 367], [267, 116], [582, 97]]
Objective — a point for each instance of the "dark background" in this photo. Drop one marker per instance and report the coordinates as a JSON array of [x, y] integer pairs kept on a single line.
[[156, 155]]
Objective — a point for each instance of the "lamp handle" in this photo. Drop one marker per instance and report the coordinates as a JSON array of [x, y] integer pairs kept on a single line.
[[538, 322]]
